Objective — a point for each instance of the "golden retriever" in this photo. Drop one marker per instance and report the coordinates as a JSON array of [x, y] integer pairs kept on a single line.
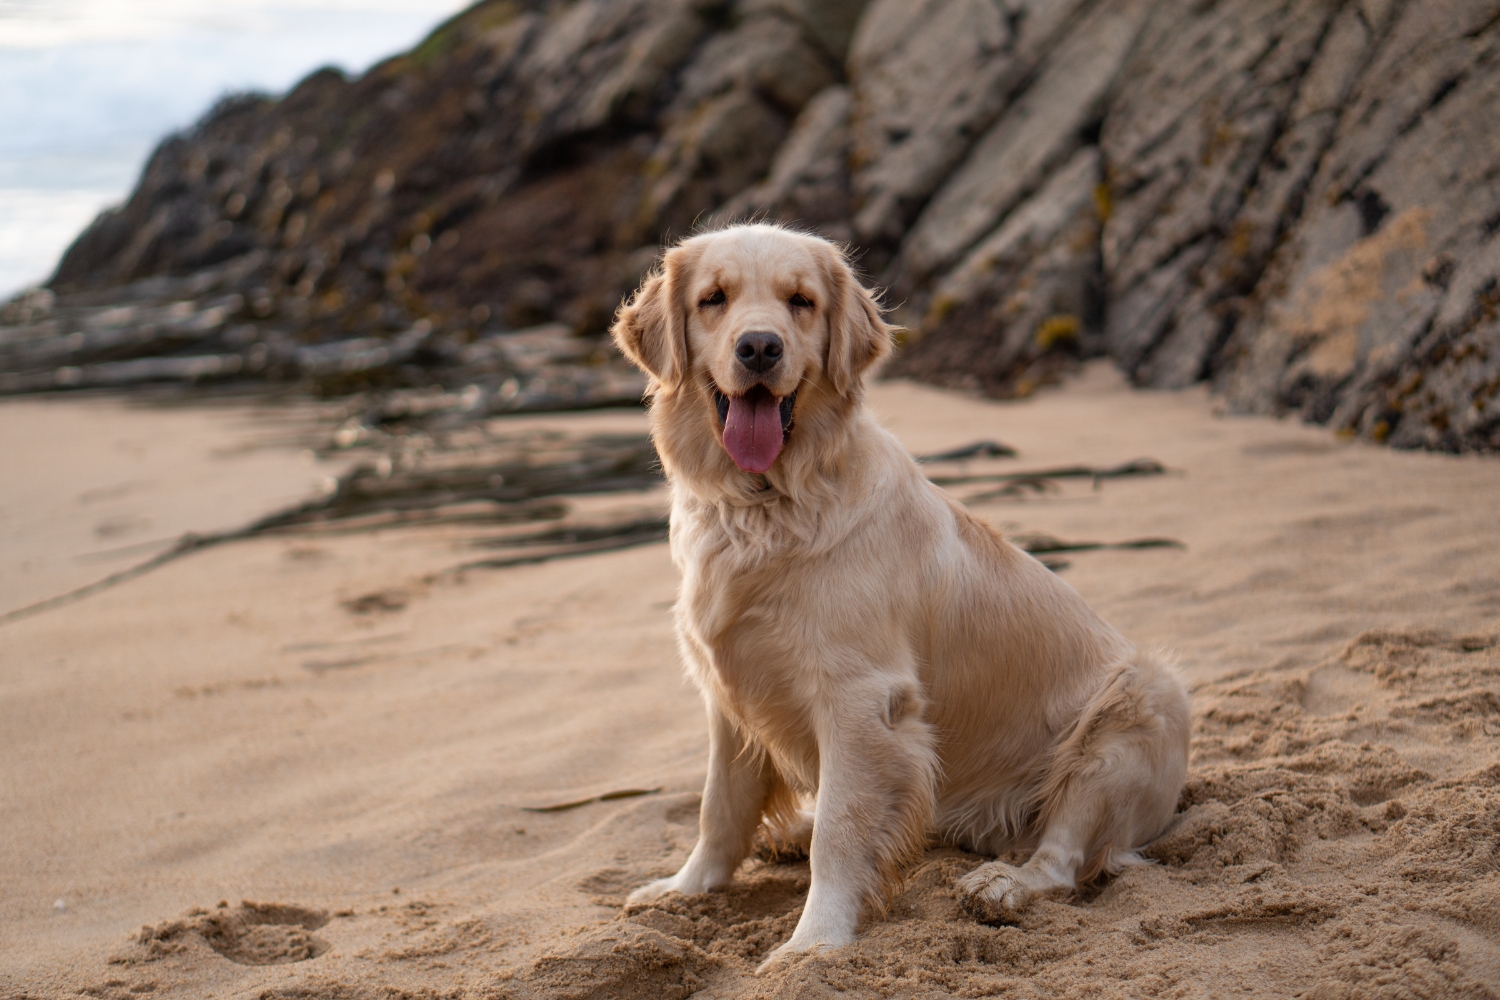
[[857, 635]]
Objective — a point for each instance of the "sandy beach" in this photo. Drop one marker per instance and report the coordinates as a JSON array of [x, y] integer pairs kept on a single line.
[[232, 777]]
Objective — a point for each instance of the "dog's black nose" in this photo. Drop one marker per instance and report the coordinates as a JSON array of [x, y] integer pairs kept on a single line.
[[759, 351]]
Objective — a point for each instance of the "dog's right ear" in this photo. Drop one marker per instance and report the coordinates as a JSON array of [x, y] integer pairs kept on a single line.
[[651, 327]]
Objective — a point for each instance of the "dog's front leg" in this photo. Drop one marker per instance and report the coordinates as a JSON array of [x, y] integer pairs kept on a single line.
[[739, 780], [876, 776]]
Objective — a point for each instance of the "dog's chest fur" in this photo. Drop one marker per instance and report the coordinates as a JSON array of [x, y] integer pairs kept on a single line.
[[752, 617]]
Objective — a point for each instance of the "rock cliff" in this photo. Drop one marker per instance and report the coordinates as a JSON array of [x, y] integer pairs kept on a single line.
[[1298, 200]]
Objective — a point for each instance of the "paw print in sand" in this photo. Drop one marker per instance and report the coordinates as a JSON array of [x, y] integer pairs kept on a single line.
[[249, 934]]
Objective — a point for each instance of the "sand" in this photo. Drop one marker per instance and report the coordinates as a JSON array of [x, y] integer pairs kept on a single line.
[[219, 780]]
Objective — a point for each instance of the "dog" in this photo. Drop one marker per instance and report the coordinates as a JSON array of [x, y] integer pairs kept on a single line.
[[862, 641]]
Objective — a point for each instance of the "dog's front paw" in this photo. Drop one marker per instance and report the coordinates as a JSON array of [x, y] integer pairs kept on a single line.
[[995, 892], [791, 951], [652, 890]]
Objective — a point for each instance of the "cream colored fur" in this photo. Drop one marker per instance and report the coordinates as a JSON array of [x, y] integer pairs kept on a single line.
[[863, 641]]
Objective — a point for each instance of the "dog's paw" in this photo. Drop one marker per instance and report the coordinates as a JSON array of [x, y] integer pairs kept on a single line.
[[778, 959], [834, 930], [996, 892], [652, 890], [789, 953]]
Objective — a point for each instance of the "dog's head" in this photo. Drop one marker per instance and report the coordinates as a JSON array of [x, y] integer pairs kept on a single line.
[[753, 325]]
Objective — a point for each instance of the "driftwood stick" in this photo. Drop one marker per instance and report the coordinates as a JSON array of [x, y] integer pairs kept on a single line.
[[1139, 467], [1039, 543], [979, 449], [590, 541], [623, 793]]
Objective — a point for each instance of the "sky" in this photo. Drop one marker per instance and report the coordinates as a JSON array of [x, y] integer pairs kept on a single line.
[[88, 87]]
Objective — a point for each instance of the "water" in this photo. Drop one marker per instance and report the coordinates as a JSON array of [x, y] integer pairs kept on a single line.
[[88, 87]]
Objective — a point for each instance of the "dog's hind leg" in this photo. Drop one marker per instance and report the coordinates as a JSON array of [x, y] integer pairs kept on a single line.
[[740, 780], [998, 891], [1112, 786]]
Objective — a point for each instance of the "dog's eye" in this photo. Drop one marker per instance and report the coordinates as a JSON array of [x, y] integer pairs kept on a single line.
[[716, 299], [800, 301]]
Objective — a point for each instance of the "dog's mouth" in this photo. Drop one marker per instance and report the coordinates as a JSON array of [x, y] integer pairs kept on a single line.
[[756, 426]]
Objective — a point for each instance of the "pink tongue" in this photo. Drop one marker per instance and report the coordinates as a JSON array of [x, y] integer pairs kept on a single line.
[[752, 430]]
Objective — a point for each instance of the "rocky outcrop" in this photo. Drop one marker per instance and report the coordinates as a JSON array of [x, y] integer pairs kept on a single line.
[[1294, 199], [1025, 303], [1379, 309], [1297, 202]]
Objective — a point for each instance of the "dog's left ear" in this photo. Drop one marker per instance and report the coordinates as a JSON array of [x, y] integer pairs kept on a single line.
[[858, 337]]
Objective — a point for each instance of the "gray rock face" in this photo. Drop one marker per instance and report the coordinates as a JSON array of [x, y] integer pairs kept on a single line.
[[929, 77], [1197, 114], [829, 24], [809, 179], [1384, 321], [1298, 200], [1024, 304], [731, 116], [597, 62], [1034, 135]]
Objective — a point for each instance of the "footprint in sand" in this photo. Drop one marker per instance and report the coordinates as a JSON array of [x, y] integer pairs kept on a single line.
[[249, 934]]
